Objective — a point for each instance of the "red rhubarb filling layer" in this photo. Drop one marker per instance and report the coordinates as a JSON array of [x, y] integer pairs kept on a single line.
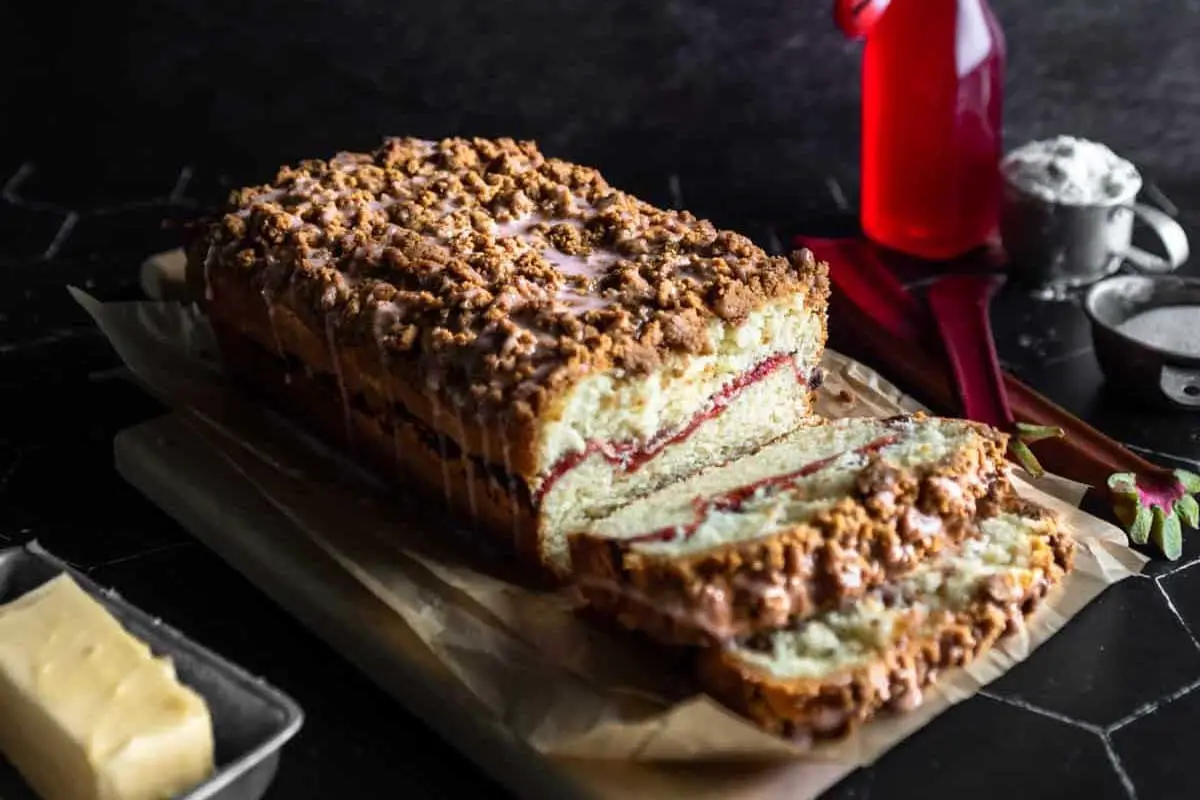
[[631, 456], [733, 499]]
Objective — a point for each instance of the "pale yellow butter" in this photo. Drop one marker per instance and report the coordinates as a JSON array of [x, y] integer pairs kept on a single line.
[[86, 710]]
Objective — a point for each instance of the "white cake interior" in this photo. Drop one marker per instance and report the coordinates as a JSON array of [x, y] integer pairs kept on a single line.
[[841, 640], [613, 407], [835, 454], [688, 414]]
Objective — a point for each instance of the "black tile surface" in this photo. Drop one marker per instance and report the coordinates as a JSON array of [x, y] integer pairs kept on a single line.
[[745, 112], [29, 233], [130, 232], [1158, 750], [1124, 650], [35, 302], [985, 748], [1182, 587], [108, 183]]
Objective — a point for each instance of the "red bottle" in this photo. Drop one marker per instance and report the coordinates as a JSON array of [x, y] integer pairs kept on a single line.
[[932, 99]]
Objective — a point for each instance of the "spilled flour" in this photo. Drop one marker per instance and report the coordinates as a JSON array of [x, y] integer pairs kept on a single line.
[[1174, 328]]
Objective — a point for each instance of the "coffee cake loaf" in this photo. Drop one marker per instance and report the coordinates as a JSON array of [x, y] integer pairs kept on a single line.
[[827, 675], [807, 523], [507, 330]]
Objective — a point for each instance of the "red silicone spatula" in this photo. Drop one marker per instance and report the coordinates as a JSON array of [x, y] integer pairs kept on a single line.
[[959, 306], [1151, 504]]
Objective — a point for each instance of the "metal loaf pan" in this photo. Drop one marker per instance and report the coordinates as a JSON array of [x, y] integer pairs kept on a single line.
[[251, 720]]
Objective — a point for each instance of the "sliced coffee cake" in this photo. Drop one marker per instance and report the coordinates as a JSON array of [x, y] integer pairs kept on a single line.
[[819, 517], [833, 672]]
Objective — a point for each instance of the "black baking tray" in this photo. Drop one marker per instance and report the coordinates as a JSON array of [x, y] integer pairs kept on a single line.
[[251, 720]]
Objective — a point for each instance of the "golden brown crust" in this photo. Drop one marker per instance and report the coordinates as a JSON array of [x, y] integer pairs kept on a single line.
[[362, 367], [397, 447], [492, 275], [834, 706], [892, 521]]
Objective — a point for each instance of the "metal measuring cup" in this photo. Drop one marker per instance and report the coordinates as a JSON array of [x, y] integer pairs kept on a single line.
[[1063, 245]]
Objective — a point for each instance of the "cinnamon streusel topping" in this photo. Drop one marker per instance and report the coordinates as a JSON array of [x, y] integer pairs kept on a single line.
[[498, 272]]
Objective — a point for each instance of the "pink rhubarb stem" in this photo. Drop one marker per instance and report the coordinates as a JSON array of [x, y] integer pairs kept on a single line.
[[959, 304]]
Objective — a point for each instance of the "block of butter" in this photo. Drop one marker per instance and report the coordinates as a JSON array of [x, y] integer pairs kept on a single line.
[[86, 710]]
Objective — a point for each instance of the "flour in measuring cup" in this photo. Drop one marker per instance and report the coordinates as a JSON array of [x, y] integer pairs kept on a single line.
[[1173, 328], [1071, 171]]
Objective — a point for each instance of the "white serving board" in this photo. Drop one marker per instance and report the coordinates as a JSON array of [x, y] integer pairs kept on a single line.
[[179, 472]]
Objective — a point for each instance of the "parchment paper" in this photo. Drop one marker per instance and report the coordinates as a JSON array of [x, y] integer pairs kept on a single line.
[[569, 688]]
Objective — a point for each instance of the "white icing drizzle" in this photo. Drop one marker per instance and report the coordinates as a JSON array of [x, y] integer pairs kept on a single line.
[[468, 465], [514, 507], [441, 440], [586, 267], [487, 454], [384, 314], [210, 256], [341, 379], [391, 412], [269, 302]]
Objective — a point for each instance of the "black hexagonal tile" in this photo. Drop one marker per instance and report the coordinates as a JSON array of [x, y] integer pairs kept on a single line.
[[1183, 587], [1158, 750], [985, 748], [1122, 651], [53, 358], [1037, 332], [71, 411], [83, 185], [80, 509], [125, 233], [1164, 436], [27, 233], [35, 302]]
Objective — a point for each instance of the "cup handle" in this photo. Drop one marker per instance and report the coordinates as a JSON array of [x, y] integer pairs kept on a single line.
[[1181, 386], [1170, 234]]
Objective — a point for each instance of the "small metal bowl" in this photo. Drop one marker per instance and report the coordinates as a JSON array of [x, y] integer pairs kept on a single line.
[[1153, 374]]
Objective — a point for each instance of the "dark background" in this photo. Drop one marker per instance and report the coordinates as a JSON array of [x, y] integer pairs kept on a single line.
[[115, 116], [752, 102]]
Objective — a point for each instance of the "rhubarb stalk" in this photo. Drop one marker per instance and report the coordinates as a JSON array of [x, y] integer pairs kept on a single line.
[[959, 304], [888, 321]]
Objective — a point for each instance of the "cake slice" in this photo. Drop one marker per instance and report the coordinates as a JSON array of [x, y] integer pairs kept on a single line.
[[808, 522], [508, 331], [833, 672]]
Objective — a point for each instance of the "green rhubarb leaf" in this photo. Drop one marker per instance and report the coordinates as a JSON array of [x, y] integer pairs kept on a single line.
[[1167, 534], [1125, 511], [1123, 482], [1029, 434], [1026, 458], [1190, 480], [1188, 510], [1139, 529]]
